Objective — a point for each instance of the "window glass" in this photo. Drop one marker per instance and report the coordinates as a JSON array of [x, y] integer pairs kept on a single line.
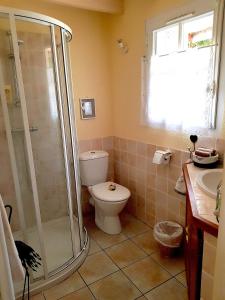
[[198, 32], [180, 89], [167, 40]]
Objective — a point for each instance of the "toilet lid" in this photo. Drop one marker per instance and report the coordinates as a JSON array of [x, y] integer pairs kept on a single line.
[[110, 191]]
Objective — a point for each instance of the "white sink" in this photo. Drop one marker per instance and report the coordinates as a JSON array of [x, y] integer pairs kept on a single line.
[[208, 181]]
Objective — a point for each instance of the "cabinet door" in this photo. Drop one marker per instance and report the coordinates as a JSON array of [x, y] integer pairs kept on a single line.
[[193, 255]]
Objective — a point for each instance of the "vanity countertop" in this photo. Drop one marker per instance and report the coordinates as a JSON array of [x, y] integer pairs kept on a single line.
[[202, 205]]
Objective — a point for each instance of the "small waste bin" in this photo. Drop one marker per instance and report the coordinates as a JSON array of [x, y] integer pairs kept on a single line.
[[169, 235]]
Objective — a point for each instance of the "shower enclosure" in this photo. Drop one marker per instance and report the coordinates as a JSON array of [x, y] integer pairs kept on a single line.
[[39, 174]]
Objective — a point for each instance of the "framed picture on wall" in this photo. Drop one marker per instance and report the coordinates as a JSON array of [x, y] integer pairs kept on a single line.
[[87, 108]]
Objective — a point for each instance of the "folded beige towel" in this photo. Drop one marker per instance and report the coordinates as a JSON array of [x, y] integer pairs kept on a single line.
[[15, 263]]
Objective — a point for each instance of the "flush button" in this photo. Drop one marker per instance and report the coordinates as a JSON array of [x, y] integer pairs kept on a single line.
[[112, 187]]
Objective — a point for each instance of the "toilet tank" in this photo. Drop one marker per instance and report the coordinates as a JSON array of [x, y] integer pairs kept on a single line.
[[93, 167]]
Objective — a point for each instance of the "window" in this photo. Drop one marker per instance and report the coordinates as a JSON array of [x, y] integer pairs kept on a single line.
[[180, 79]]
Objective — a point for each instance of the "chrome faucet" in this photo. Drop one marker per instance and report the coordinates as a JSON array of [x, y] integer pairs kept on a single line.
[[218, 201]]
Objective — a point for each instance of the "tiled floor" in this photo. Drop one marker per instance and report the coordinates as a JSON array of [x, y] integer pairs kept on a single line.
[[123, 267]]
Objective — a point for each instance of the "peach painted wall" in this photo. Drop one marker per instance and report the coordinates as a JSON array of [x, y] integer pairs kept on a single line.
[[90, 61], [126, 73], [101, 71]]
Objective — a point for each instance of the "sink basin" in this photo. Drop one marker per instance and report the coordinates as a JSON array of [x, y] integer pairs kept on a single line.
[[208, 181]]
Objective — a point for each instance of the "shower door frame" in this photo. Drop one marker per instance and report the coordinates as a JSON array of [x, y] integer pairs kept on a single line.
[[28, 143], [65, 31], [72, 119], [61, 117]]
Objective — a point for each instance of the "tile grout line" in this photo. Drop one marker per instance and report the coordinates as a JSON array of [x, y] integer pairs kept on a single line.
[[157, 286], [175, 277], [127, 238], [163, 267], [130, 238], [147, 255], [86, 284], [120, 269]]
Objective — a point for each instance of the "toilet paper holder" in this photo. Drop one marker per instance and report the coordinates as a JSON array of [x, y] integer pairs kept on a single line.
[[162, 157]]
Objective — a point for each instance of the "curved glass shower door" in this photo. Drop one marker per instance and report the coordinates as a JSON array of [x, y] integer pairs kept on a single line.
[[36, 113], [36, 55]]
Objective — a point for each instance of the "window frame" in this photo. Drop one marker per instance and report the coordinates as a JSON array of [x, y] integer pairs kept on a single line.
[[181, 14], [180, 24]]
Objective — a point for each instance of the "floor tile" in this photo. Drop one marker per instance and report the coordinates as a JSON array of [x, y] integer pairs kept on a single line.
[[115, 286], [182, 278], [132, 226], [146, 274], [83, 294], [142, 298], [97, 266], [174, 265], [105, 240], [171, 290], [72, 284], [146, 241], [94, 248], [37, 297], [125, 253]]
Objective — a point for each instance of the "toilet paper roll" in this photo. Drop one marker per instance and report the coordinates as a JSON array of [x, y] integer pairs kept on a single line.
[[158, 158]]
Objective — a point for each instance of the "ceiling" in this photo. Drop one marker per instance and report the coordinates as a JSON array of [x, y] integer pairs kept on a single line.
[[107, 6]]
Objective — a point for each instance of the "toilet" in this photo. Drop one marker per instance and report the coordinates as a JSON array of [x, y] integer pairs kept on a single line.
[[108, 198]]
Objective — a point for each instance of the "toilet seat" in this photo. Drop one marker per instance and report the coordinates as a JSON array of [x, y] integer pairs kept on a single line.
[[102, 192]]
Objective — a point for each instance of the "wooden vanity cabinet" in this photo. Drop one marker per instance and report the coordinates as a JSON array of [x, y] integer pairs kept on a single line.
[[193, 254], [195, 227]]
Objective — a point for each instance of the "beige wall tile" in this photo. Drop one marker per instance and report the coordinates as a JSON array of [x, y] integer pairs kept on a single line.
[[116, 143], [209, 258], [142, 149], [131, 159], [174, 172], [206, 286], [124, 157], [107, 143], [132, 146], [123, 144], [161, 184], [210, 239], [141, 208], [151, 168], [142, 162], [131, 226], [176, 157], [151, 150], [96, 144], [162, 171]]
